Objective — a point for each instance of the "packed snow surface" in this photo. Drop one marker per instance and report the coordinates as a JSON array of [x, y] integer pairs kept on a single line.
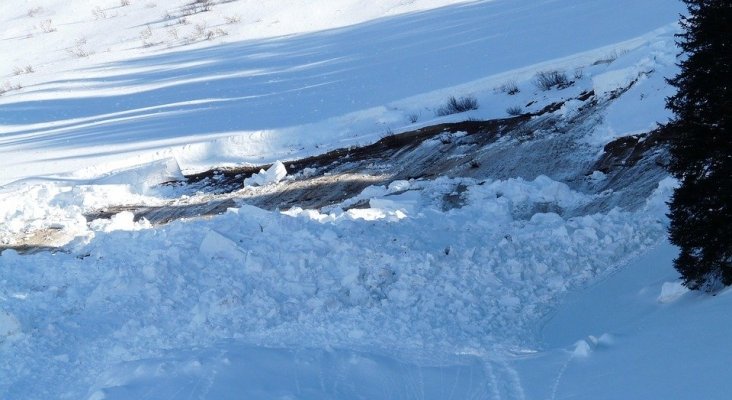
[[516, 288]]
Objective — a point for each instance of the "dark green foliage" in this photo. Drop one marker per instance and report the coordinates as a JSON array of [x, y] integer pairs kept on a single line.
[[701, 146]]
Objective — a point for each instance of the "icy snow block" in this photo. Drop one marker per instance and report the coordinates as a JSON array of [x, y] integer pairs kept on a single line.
[[216, 245], [145, 176], [274, 174], [398, 186], [582, 349], [671, 291]]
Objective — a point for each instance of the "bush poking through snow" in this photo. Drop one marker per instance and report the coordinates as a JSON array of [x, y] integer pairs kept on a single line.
[[34, 11], [79, 50], [197, 6], [146, 33], [547, 80], [28, 69], [7, 87], [607, 59], [234, 19], [98, 13], [510, 88], [47, 26], [579, 73], [514, 110], [456, 106], [200, 30]]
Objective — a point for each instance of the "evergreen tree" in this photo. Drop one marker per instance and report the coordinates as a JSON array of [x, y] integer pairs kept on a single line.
[[701, 146]]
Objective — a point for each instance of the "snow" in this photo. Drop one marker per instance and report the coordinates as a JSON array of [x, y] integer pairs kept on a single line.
[[656, 350], [522, 288]]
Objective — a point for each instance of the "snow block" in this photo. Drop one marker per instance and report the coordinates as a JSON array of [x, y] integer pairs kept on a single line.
[[216, 245], [582, 349], [274, 174], [146, 176], [671, 291]]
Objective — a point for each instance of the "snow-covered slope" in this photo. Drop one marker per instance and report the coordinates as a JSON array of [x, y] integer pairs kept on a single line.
[[256, 95], [522, 273]]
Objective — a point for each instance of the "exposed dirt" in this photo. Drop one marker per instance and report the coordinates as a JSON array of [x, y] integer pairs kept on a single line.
[[524, 146], [332, 177], [39, 240]]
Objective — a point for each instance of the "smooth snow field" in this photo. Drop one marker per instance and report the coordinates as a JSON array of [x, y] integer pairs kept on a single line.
[[529, 285]]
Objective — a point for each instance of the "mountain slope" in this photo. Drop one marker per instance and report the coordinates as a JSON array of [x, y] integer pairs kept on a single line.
[[470, 255]]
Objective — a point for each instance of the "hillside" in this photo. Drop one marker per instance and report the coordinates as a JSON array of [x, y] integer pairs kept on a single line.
[[228, 199]]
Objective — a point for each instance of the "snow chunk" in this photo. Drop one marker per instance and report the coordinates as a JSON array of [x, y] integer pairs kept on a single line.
[[598, 176], [216, 245], [123, 221], [274, 174], [582, 349], [373, 214], [144, 177], [398, 186], [671, 291]]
